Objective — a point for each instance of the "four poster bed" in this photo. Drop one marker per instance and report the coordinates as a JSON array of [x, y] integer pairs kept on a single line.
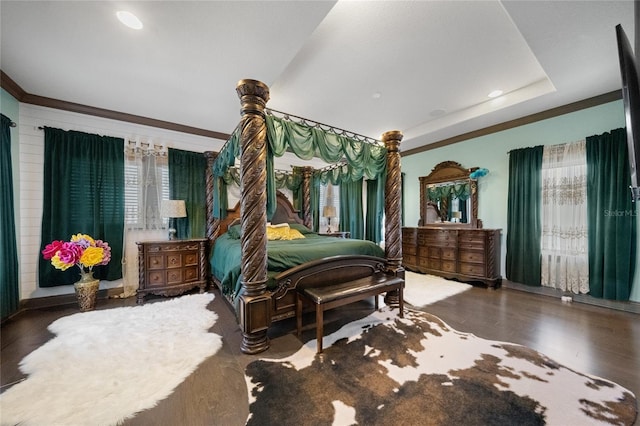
[[250, 268]]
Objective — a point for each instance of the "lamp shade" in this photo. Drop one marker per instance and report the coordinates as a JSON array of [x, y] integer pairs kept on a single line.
[[173, 208], [329, 211]]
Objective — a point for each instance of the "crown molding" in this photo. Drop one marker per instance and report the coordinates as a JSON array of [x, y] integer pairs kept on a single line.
[[21, 95], [544, 115]]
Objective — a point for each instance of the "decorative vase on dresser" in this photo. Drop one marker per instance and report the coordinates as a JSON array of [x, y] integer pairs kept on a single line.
[[169, 268]]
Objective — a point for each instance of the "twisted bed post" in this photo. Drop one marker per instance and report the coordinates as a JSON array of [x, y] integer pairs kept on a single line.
[[254, 304], [213, 224], [307, 172], [392, 211]]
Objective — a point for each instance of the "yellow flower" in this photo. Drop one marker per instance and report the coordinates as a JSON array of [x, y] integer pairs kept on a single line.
[[58, 264], [92, 256]]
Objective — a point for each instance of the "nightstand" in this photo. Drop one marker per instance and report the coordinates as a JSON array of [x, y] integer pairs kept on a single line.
[[169, 268], [338, 234]]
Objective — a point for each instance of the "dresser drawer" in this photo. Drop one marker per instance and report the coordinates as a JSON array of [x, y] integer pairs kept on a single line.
[[448, 266], [475, 269], [191, 259], [156, 278], [156, 261], [174, 260], [409, 249], [472, 240], [434, 253], [446, 239], [408, 259], [472, 256], [434, 264], [190, 273], [423, 251], [449, 253]]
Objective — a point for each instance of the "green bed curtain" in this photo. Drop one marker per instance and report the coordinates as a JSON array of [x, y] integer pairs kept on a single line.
[[351, 215], [611, 216], [83, 193], [9, 287], [375, 211], [523, 216], [187, 181]]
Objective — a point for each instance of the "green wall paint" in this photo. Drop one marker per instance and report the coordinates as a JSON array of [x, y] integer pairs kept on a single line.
[[491, 152]]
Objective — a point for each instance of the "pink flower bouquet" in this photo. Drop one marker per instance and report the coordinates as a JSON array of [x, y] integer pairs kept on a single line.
[[82, 250]]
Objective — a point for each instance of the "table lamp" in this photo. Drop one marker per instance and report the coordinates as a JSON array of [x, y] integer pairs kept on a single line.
[[455, 216], [329, 212], [173, 209]]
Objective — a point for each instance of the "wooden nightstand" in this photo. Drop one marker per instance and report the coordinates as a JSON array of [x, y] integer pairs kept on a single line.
[[169, 268], [338, 234]]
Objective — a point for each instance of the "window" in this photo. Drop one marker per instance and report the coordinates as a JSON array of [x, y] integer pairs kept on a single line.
[[146, 185], [329, 196]]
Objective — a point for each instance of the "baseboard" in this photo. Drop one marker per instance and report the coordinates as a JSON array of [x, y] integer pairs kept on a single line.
[[633, 307], [61, 300]]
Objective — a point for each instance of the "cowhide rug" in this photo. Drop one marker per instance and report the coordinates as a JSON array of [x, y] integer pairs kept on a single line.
[[104, 366], [383, 370]]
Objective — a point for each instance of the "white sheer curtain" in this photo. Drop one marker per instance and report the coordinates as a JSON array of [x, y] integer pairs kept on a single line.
[[565, 261], [146, 185]]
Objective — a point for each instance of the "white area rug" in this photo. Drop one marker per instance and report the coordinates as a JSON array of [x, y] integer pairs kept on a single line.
[[421, 290], [104, 366]]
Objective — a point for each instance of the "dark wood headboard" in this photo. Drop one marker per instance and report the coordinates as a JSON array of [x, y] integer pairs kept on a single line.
[[284, 213]]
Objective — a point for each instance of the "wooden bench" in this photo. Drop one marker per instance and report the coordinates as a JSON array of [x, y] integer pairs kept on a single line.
[[352, 278]]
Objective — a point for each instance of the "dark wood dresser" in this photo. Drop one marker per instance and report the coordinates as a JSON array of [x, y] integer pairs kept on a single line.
[[466, 254], [169, 268]]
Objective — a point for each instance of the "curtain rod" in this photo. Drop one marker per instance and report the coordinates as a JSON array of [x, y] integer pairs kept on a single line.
[[336, 130]]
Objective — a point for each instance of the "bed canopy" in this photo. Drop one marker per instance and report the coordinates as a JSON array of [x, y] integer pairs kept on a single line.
[[261, 136]]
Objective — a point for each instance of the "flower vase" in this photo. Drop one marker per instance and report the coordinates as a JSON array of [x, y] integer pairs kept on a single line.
[[87, 291]]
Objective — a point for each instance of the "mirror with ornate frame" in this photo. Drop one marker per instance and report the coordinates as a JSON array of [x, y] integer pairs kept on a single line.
[[449, 197]]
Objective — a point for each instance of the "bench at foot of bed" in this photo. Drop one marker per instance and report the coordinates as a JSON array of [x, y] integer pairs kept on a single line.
[[330, 296]]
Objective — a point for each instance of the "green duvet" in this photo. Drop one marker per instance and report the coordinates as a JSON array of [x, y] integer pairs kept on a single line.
[[282, 255]]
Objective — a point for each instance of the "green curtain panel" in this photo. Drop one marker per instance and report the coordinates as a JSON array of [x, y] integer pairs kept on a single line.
[[523, 217], [351, 215], [9, 286], [611, 216], [83, 193], [187, 181], [375, 211]]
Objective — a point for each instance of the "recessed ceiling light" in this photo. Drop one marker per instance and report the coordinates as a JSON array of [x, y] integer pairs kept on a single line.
[[376, 95], [129, 19], [495, 93]]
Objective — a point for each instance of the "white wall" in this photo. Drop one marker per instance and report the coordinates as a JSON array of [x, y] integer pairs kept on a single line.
[[491, 152], [29, 176]]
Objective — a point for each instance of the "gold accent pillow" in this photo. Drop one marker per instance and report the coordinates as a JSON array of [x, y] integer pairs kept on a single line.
[[282, 232]]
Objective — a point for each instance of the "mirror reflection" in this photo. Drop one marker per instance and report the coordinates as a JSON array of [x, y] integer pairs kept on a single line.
[[448, 196], [451, 201]]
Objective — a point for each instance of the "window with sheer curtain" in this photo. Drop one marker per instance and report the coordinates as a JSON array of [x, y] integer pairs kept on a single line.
[[564, 245], [146, 185]]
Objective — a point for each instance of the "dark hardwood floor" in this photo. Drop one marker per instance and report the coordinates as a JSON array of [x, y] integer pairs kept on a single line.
[[595, 340]]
